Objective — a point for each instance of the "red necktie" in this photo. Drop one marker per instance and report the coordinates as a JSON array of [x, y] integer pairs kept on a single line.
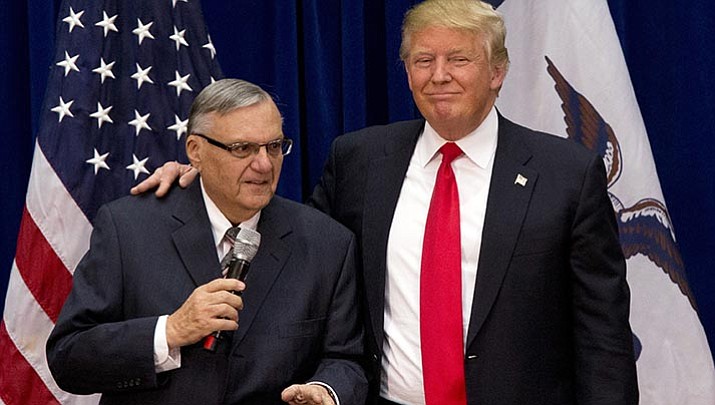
[[441, 291]]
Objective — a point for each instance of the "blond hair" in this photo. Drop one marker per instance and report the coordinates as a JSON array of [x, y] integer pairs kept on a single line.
[[470, 15]]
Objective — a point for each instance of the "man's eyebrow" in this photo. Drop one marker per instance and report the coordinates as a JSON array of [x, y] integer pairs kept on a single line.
[[449, 52]]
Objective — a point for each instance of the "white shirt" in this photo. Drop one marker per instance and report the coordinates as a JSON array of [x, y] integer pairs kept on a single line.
[[401, 379], [165, 359]]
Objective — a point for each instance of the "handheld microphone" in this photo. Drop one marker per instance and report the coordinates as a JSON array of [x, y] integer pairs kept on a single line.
[[243, 251]]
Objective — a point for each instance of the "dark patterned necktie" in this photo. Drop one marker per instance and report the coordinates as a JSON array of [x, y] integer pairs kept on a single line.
[[231, 237]]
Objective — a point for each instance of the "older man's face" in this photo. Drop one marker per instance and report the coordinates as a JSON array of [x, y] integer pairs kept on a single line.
[[451, 79], [240, 187]]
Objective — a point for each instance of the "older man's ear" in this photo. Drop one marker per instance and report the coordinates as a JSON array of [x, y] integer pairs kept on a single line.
[[193, 151]]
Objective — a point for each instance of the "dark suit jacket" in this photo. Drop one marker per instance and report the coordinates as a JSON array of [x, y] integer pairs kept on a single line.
[[147, 255], [549, 321]]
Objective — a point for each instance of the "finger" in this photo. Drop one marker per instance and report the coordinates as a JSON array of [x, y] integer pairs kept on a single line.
[[138, 189], [223, 284], [166, 176], [304, 394], [234, 301], [212, 305], [222, 301], [165, 179], [222, 324], [148, 183], [188, 177], [315, 394], [291, 393], [223, 311]]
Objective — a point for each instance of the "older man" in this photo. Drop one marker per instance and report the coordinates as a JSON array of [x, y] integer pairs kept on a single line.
[[492, 268], [150, 290]]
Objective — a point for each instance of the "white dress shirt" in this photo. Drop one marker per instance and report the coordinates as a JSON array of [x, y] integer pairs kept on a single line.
[[401, 379]]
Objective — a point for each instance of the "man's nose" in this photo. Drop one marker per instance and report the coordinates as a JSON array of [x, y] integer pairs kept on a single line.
[[441, 74], [262, 161]]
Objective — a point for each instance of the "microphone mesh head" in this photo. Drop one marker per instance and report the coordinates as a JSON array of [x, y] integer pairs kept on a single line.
[[246, 246]]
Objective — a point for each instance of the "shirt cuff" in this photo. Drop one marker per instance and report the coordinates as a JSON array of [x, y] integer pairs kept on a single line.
[[330, 389], [164, 359]]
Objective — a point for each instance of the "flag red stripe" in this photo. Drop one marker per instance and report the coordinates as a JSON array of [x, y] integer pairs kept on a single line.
[[19, 383], [43, 272]]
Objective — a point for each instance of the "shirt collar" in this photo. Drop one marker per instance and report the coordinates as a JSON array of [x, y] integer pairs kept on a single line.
[[219, 223], [479, 145]]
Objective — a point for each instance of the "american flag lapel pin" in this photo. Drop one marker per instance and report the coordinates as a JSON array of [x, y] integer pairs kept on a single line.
[[520, 180]]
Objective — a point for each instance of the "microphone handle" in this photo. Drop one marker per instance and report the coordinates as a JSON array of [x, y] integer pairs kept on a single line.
[[238, 269]]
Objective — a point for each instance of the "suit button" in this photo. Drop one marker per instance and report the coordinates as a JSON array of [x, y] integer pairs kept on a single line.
[[119, 384], [374, 358], [138, 381]]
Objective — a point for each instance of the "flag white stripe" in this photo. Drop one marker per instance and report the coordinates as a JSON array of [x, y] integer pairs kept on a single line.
[[28, 327], [56, 214]]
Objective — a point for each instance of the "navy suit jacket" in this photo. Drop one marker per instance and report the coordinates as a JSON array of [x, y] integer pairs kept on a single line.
[[549, 319], [147, 255]]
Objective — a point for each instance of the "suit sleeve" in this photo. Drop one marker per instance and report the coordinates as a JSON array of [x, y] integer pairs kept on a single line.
[[92, 347], [604, 357], [323, 197], [343, 345]]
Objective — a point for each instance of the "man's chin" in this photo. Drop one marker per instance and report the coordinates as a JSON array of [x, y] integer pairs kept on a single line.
[[257, 201]]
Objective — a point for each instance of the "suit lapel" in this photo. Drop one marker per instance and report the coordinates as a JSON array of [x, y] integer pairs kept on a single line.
[[193, 239], [194, 243], [510, 192], [265, 268], [385, 177]]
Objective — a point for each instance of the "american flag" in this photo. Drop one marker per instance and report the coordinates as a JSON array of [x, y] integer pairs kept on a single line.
[[116, 108]]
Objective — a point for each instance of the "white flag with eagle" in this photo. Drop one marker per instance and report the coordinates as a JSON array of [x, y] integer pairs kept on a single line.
[[568, 77]]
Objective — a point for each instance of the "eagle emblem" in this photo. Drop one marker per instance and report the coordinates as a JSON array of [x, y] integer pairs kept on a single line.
[[645, 227]]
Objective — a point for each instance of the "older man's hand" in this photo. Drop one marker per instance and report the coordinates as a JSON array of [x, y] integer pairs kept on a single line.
[[210, 307], [307, 394]]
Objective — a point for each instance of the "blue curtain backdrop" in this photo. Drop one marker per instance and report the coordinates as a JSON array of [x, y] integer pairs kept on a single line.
[[333, 66]]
